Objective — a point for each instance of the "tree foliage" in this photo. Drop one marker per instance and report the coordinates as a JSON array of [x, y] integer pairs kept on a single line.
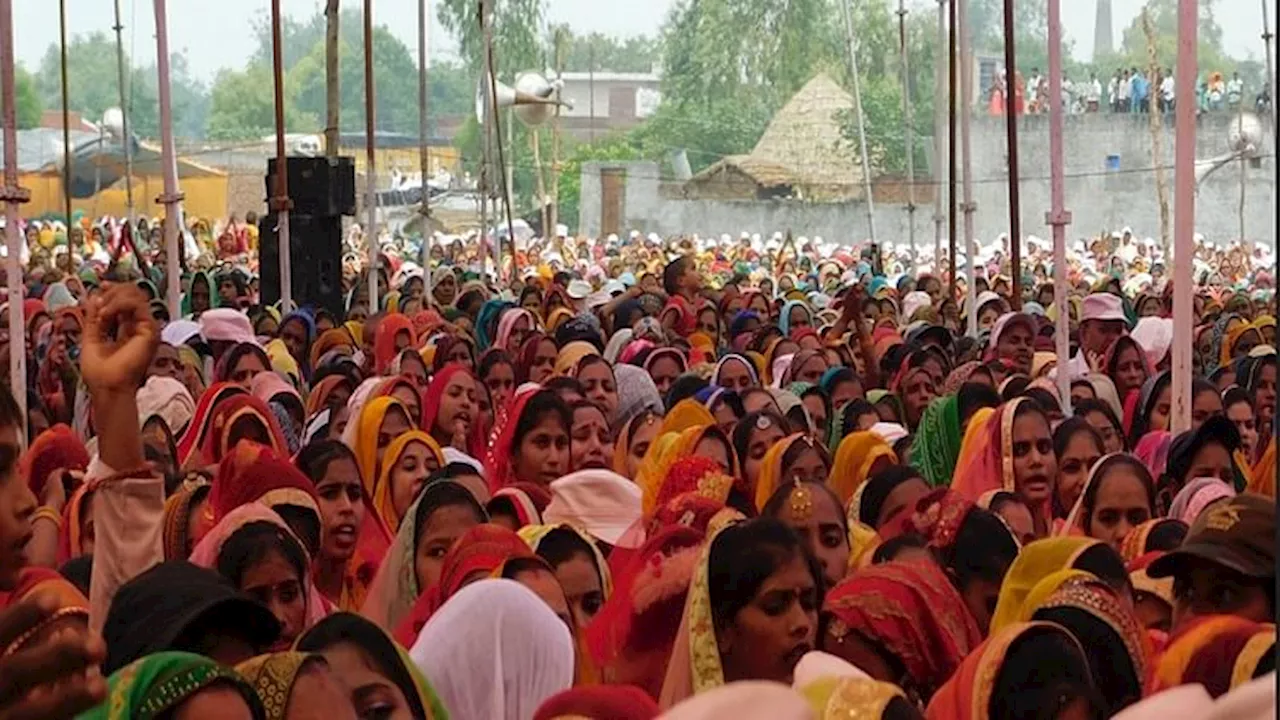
[[604, 53], [1211, 55], [516, 40], [27, 105]]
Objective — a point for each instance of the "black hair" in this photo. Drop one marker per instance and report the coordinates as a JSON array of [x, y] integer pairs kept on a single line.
[[445, 493], [1043, 672], [798, 417], [1166, 535], [492, 359], [1044, 399], [1236, 395], [685, 386], [1091, 405], [973, 396], [452, 471], [826, 403], [672, 272], [561, 545], [563, 383], [542, 404], [842, 374], [252, 543], [1090, 498], [744, 555], [877, 490], [793, 452], [899, 708], [983, 549], [888, 550], [1142, 418], [376, 647], [1106, 564], [313, 460], [1069, 429], [902, 447], [10, 413], [1081, 382], [1114, 673], [238, 351], [892, 359], [756, 390], [742, 431], [773, 507], [77, 571], [1014, 385], [1128, 341], [304, 522], [853, 410], [1200, 385]]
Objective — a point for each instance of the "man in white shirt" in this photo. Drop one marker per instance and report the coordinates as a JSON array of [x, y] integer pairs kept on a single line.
[[1167, 91], [1124, 91], [1102, 320], [1235, 90], [1093, 93], [1033, 88]]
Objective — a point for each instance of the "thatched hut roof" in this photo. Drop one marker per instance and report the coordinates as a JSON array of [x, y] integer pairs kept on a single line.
[[802, 149]]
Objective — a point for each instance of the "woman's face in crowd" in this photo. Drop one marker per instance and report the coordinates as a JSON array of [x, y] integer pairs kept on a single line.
[[845, 392], [461, 353], [415, 463], [769, 635], [394, 423], [1247, 341], [409, 398], [520, 330], [664, 372], [544, 361], [1016, 344], [341, 508], [918, 391], [412, 367], [758, 443], [1120, 505], [165, 362], [1034, 464], [373, 694], [1242, 415], [1160, 411], [267, 326], [1082, 391], [817, 519], [247, 367], [458, 406], [713, 447], [589, 439], [533, 303], [543, 454], [641, 439], [904, 496], [1212, 461], [600, 387], [580, 581], [199, 295], [735, 376], [709, 323], [987, 317], [1205, 405], [1129, 373], [799, 318], [445, 290], [808, 466], [817, 413], [274, 582], [294, 335], [501, 382], [442, 528], [1074, 466], [760, 305], [812, 370], [1152, 611], [1265, 393], [1018, 517]]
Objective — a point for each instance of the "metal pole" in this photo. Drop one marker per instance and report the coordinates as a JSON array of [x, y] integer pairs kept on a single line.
[[862, 123], [939, 139], [66, 122], [280, 202], [966, 176], [172, 197], [332, 81], [371, 232], [1184, 212], [910, 130], [124, 115], [1058, 216], [952, 82], [424, 153], [13, 196], [1271, 90], [1011, 130], [487, 29]]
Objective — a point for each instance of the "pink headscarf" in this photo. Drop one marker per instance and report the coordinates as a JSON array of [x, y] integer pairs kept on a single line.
[[507, 323], [1153, 451]]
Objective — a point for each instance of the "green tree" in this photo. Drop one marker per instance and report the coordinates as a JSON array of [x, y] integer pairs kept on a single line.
[[27, 103], [605, 53], [516, 41], [242, 106], [395, 82], [92, 82], [1030, 31], [1164, 18]]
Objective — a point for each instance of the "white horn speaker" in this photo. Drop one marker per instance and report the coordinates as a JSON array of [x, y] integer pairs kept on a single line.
[[533, 98]]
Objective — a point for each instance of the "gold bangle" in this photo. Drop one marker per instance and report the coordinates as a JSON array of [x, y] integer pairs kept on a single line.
[[44, 512]]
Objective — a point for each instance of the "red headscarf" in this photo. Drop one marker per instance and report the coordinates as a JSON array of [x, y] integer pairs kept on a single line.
[[435, 393], [54, 449], [256, 473], [497, 461], [912, 610], [218, 442], [700, 475], [198, 429], [528, 499], [444, 347], [482, 549], [617, 702], [384, 341], [524, 357]]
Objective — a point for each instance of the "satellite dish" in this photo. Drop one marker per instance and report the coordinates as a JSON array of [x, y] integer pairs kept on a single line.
[[1245, 135], [113, 121]]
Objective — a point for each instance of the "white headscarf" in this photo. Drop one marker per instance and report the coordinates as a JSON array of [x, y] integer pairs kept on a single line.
[[495, 650]]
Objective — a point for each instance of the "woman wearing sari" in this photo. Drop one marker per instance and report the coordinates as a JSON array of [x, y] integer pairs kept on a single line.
[[531, 441], [937, 442], [1220, 652], [514, 325], [296, 685], [394, 333], [536, 359], [834, 697], [177, 685], [1025, 670], [633, 440], [368, 434], [1017, 457], [1043, 558], [408, 461], [1149, 409], [902, 622], [578, 564], [383, 679], [190, 445], [253, 473], [254, 549], [1118, 497], [240, 363], [859, 455], [235, 418], [795, 458]]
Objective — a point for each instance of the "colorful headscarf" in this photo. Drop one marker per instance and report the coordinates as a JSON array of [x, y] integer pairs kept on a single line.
[[158, 683], [937, 442], [857, 453], [1037, 561], [272, 678]]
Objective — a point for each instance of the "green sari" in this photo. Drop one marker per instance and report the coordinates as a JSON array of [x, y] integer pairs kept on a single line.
[[937, 443], [158, 683]]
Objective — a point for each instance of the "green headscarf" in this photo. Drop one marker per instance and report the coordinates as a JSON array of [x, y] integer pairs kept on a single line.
[[937, 443], [157, 683], [214, 299]]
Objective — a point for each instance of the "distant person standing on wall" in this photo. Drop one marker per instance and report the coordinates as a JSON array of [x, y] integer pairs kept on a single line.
[[1124, 91], [1093, 94], [1167, 92]]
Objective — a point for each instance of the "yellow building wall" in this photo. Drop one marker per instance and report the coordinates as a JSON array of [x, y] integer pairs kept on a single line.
[[206, 196], [406, 159]]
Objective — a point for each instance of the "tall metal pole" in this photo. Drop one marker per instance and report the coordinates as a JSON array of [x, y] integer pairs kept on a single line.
[[966, 176], [939, 137], [1011, 130], [172, 197], [371, 232], [124, 115], [495, 115], [1184, 212], [332, 81], [13, 196], [1267, 37], [862, 123], [953, 82], [1058, 216], [280, 201], [66, 121], [424, 153], [910, 130]]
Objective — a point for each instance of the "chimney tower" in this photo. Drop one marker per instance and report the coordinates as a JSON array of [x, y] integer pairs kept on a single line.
[[1102, 46]]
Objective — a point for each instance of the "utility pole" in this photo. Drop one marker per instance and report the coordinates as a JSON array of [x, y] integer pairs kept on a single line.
[[13, 196], [370, 166], [910, 130], [1184, 212], [939, 139], [332, 89], [172, 197], [862, 125], [424, 152], [124, 114], [66, 118], [967, 206], [1011, 131], [280, 200], [1058, 216]]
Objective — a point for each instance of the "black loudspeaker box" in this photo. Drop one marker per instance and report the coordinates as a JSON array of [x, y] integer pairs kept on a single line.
[[316, 260], [318, 185]]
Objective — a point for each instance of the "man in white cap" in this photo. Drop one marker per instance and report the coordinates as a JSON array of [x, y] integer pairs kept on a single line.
[[1102, 321]]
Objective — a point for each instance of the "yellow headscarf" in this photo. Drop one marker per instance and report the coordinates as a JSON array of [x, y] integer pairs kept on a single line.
[[381, 494], [839, 698], [571, 354], [535, 534], [1045, 588], [771, 470], [1183, 648], [863, 542], [1264, 472], [973, 442], [621, 446], [1036, 562], [283, 362], [557, 318], [855, 455], [665, 449], [368, 426], [1229, 341], [356, 329]]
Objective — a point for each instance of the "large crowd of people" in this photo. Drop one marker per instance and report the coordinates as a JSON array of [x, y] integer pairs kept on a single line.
[[635, 477]]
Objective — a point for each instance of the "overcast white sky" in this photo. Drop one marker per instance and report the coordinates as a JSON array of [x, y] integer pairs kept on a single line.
[[216, 34]]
